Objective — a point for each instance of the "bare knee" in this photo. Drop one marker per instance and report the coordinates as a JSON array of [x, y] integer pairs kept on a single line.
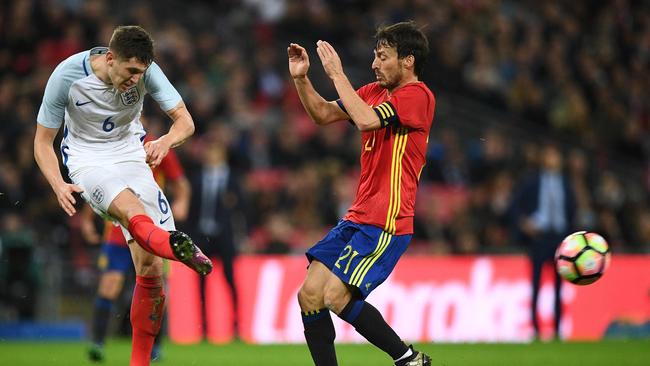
[[310, 297], [336, 295]]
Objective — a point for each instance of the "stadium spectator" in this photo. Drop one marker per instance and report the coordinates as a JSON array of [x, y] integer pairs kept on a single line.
[[543, 214], [216, 208]]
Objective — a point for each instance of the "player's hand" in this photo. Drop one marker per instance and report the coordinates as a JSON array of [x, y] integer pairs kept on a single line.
[[330, 59], [298, 61], [64, 195], [156, 151]]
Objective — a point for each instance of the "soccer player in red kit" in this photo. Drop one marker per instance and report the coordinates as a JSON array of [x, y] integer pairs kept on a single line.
[[115, 259], [394, 115]]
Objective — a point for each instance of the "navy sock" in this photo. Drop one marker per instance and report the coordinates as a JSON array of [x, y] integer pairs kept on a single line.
[[320, 334], [101, 315], [367, 320]]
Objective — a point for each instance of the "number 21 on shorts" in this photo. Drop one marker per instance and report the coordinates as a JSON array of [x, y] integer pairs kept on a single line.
[[346, 253]]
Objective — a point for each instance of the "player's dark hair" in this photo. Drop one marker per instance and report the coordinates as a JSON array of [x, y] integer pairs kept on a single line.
[[132, 41], [408, 39]]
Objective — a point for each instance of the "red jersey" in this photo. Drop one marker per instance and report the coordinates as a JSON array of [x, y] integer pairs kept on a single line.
[[392, 157], [169, 169]]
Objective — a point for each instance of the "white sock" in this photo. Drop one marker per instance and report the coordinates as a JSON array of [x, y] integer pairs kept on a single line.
[[408, 354]]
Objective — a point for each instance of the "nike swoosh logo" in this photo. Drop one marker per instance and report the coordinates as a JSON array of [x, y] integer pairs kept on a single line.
[[165, 220], [84, 103]]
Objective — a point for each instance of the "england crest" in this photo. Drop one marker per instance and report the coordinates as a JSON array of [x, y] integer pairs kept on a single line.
[[131, 96], [98, 194]]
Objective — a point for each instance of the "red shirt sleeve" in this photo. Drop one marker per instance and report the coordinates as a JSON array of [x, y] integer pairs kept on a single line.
[[171, 167], [414, 106]]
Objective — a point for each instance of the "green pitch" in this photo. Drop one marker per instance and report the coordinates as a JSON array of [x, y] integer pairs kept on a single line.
[[627, 353]]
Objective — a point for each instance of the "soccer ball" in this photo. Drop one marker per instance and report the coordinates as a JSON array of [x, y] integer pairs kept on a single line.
[[582, 257]]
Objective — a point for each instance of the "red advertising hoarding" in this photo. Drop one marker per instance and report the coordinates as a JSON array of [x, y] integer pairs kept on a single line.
[[439, 299]]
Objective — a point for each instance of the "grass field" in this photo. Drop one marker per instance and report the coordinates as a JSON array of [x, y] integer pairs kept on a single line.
[[619, 353]]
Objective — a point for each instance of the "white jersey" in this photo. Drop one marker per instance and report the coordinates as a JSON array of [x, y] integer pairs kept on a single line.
[[102, 124]]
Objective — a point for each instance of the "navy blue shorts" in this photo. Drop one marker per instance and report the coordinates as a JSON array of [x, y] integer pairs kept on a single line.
[[115, 258], [360, 255]]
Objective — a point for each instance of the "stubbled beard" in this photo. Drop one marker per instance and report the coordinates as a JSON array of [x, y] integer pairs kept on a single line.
[[391, 83], [388, 84]]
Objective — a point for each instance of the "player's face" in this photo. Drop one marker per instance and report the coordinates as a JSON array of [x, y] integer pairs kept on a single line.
[[124, 73], [387, 67]]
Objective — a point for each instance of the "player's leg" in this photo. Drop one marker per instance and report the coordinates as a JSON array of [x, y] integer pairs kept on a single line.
[[364, 264], [316, 318], [110, 285], [147, 304], [364, 317], [130, 212], [128, 193], [175, 245], [156, 352], [114, 262]]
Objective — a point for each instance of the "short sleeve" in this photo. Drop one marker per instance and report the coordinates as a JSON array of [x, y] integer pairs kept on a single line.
[[55, 98], [413, 106], [160, 89]]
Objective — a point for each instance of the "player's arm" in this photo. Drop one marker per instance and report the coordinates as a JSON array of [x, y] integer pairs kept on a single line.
[[181, 129], [321, 111], [49, 166], [171, 102], [363, 116], [50, 117]]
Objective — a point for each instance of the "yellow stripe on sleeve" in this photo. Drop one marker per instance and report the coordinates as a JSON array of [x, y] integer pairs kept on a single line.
[[384, 111], [389, 109]]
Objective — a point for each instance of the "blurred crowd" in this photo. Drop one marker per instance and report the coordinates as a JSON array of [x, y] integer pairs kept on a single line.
[[574, 72]]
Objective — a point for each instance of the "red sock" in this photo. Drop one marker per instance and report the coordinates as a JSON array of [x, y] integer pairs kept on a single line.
[[150, 237], [146, 316]]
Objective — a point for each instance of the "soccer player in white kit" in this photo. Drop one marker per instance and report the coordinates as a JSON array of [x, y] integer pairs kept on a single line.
[[98, 95]]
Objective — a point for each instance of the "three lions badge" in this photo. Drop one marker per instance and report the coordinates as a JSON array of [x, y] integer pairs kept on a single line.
[[131, 96]]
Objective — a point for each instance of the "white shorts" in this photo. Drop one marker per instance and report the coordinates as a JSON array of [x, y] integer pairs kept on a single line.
[[101, 184]]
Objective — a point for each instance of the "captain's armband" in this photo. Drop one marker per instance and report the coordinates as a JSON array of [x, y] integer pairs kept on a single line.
[[387, 114]]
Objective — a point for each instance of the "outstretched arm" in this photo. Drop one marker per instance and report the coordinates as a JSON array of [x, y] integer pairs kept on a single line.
[[321, 111], [182, 128], [361, 114], [49, 165]]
